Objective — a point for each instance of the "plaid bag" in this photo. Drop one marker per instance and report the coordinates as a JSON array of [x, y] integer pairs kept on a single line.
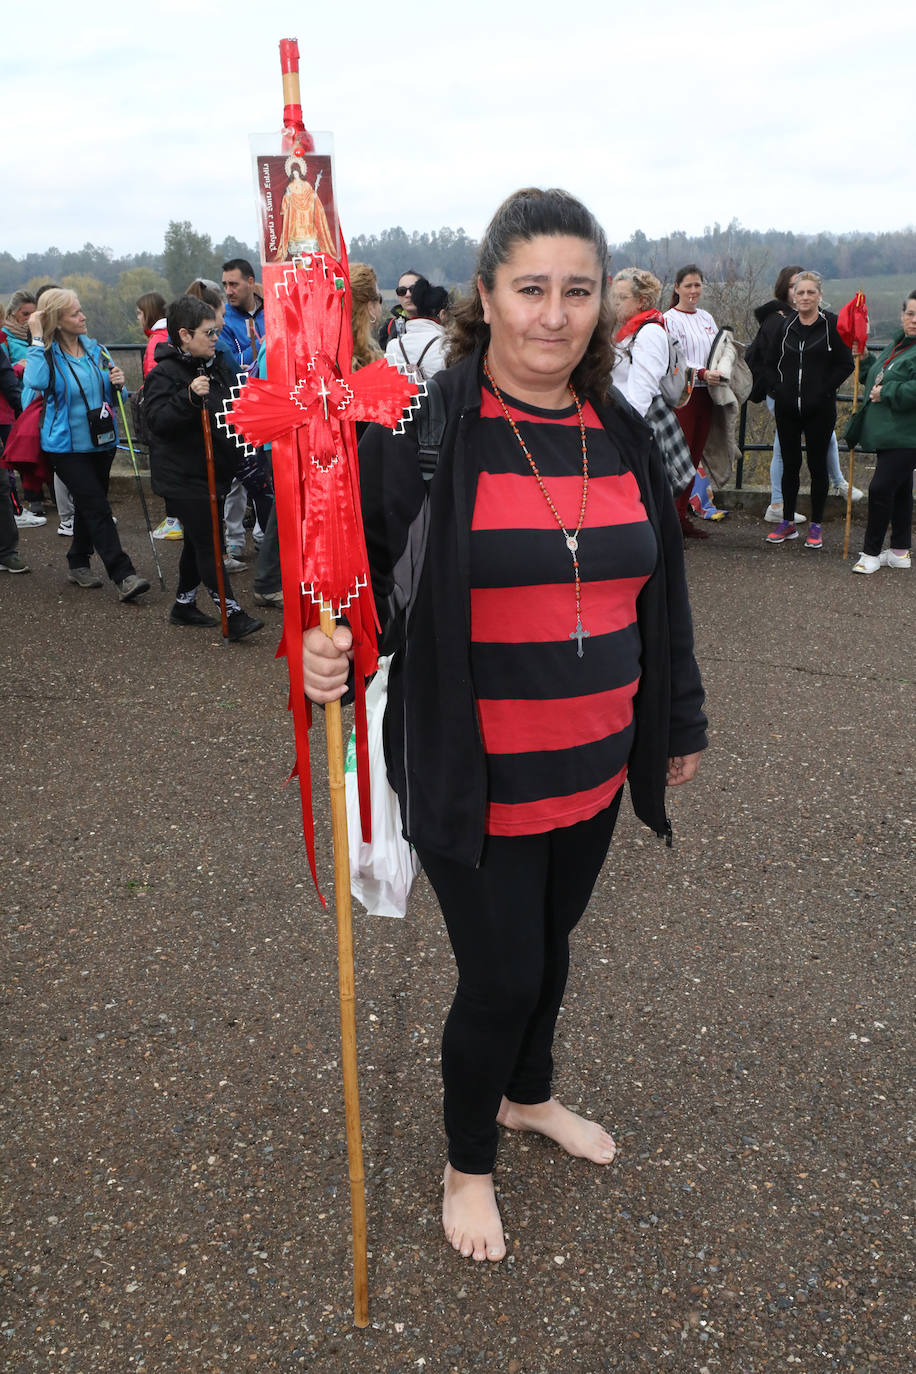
[[669, 436]]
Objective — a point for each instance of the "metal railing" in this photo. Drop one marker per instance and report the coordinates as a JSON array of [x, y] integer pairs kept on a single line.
[[842, 396]]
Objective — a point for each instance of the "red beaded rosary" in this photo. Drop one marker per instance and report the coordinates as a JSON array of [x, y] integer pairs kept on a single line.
[[572, 540]]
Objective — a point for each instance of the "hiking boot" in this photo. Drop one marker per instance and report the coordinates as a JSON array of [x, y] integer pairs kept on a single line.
[[783, 531], [83, 577], [815, 539], [12, 563], [269, 599], [242, 624], [131, 586], [186, 613]]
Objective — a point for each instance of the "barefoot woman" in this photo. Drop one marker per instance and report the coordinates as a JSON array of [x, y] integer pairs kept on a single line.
[[548, 656]]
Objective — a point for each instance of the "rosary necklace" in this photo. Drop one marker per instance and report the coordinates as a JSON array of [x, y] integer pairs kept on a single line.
[[572, 540]]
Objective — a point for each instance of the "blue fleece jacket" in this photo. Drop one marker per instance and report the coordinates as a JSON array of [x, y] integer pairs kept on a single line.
[[235, 331]]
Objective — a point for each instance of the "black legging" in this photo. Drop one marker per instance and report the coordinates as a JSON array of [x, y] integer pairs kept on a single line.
[[890, 500], [198, 560], [509, 923], [817, 425], [86, 475]]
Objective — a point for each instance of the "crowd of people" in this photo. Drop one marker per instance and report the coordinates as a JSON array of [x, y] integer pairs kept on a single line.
[[797, 362], [540, 628]]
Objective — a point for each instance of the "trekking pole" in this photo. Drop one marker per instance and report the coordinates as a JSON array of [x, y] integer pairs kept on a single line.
[[852, 459], [214, 517], [133, 458]]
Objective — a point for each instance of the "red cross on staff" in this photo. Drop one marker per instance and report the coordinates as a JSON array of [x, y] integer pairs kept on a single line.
[[307, 409]]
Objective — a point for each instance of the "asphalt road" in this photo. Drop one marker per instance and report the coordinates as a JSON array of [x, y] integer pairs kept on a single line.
[[739, 1013]]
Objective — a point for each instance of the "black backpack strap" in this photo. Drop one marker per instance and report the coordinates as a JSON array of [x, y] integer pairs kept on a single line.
[[431, 421]]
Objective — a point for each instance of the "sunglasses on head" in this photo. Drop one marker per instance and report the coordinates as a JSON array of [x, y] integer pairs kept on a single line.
[[402, 290]]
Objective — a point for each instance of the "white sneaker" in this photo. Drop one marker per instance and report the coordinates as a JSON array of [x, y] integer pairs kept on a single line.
[[65, 528], [28, 521], [889, 559], [169, 528], [773, 515], [868, 563], [841, 488]]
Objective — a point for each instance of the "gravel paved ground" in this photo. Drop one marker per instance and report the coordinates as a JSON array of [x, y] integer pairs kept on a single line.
[[175, 1189]]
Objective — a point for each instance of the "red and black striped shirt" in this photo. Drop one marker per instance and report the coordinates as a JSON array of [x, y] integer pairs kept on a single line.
[[557, 729]]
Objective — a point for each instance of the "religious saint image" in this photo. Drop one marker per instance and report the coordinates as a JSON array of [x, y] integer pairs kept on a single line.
[[297, 207]]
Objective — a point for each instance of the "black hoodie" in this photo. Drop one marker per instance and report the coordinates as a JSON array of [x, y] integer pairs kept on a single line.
[[772, 318], [807, 362]]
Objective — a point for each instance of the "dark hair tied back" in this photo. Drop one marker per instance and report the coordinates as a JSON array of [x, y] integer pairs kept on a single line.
[[525, 215], [690, 270]]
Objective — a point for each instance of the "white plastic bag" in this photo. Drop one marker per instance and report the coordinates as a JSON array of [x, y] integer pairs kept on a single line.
[[381, 873]]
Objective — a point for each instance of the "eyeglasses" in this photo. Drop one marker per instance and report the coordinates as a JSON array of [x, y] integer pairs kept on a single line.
[[402, 290], [212, 333]]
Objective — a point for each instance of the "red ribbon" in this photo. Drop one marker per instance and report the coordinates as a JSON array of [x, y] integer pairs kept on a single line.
[[307, 409]]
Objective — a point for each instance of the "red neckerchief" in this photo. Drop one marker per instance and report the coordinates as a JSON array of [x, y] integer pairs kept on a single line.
[[636, 321]]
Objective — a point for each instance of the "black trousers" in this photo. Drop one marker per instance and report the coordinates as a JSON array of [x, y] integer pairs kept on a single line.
[[816, 424], [890, 500], [509, 923], [86, 475], [198, 557]]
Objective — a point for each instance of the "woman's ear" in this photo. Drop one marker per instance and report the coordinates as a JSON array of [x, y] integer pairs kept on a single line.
[[484, 295]]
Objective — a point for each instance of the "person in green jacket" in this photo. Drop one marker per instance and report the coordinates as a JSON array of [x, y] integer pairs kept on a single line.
[[885, 424]]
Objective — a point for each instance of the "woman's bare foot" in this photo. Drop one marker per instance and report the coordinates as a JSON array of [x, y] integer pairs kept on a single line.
[[578, 1136], [470, 1215]]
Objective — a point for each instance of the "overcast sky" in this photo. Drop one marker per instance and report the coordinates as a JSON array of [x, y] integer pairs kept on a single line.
[[659, 114]]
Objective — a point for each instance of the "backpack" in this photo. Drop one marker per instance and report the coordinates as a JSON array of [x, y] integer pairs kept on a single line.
[[138, 417], [415, 370], [430, 420], [676, 382]]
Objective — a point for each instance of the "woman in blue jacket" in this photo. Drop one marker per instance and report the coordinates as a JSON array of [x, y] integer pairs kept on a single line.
[[78, 433]]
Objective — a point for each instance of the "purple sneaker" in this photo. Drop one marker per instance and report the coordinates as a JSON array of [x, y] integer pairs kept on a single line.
[[814, 540], [783, 531]]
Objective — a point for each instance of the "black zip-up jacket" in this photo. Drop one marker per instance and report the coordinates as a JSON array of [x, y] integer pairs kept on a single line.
[[178, 465], [772, 317], [807, 363], [434, 751]]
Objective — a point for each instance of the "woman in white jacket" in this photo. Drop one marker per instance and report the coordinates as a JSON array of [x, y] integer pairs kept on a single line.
[[420, 349], [641, 337]]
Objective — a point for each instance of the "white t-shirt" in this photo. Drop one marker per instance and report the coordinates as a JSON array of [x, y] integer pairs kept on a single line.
[[694, 331]]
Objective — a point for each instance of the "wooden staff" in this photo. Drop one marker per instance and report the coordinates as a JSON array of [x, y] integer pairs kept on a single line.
[[852, 458], [346, 987], [214, 520]]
